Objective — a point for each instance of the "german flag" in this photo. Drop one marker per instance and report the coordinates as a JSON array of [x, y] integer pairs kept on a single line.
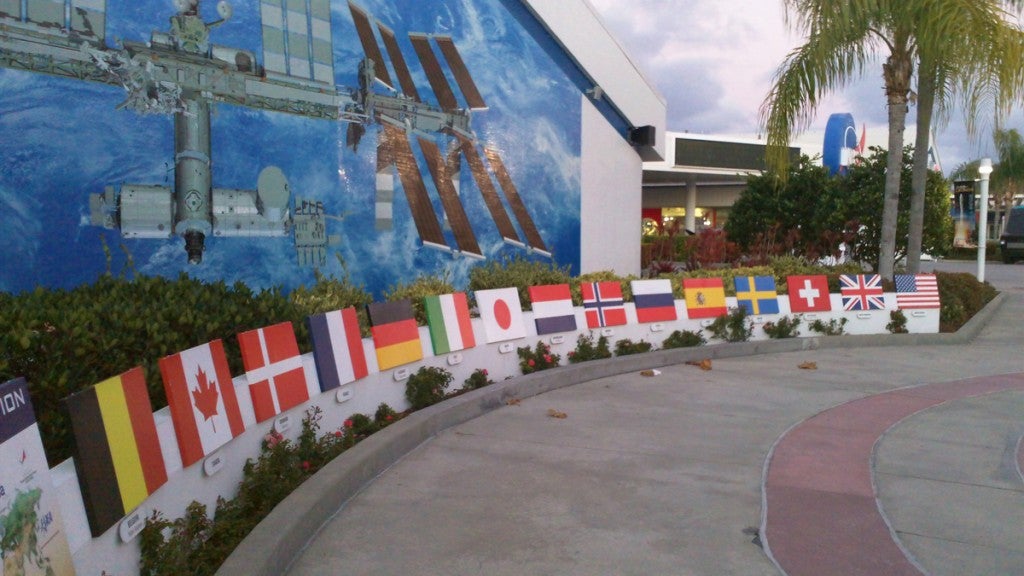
[[117, 452], [396, 335]]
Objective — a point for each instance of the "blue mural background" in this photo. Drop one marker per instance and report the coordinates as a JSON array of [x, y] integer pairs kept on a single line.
[[63, 139]]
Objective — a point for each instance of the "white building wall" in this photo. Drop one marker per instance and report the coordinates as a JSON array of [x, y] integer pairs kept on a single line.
[[610, 200], [577, 27]]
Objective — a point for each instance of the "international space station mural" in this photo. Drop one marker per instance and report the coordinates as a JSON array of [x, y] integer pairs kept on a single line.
[[255, 140]]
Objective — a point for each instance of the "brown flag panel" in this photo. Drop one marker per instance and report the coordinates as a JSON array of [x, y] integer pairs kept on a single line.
[[461, 73], [369, 42], [464, 237], [515, 201], [438, 83], [489, 192], [416, 193], [398, 61]]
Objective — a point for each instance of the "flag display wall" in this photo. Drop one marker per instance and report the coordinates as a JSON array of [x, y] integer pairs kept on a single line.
[[206, 415], [501, 313], [396, 335], [552, 308], [116, 447], [29, 511], [756, 294], [202, 400], [273, 367], [603, 304], [705, 297], [653, 300], [337, 348], [448, 319]]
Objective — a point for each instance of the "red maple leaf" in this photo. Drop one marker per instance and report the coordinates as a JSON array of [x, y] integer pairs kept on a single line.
[[206, 396]]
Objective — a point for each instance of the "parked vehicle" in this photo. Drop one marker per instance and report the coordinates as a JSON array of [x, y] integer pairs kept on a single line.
[[1011, 241]]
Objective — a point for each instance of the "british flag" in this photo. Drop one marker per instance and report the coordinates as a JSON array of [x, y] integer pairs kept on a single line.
[[916, 291], [861, 292]]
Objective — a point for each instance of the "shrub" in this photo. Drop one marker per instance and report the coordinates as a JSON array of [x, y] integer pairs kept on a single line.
[[329, 293], [195, 544], [416, 290], [63, 341], [427, 386], [587, 350], [478, 379], [601, 276], [897, 322], [538, 358], [961, 296], [785, 327], [517, 272], [625, 347], [732, 327], [835, 327], [683, 339]]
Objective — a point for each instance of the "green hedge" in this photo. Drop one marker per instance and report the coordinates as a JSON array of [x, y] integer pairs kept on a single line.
[[63, 341]]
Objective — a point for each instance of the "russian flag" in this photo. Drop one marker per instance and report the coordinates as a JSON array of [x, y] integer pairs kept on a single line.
[[552, 308], [654, 300]]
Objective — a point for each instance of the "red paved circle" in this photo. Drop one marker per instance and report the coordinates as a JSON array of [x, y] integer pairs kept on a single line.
[[821, 514]]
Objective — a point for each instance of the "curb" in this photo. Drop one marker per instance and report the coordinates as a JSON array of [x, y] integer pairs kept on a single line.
[[277, 540]]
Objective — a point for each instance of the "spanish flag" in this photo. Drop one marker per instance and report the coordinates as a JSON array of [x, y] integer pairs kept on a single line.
[[705, 297], [117, 451], [396, 335]]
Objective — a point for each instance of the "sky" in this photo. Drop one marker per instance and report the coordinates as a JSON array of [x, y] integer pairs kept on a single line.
[[714, 61]]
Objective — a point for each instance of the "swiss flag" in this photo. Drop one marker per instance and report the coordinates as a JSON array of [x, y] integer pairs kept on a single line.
[[808, 294], [273, 368], [202, 400]]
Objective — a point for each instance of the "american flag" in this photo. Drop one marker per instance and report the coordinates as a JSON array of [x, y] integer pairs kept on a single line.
[[861, 292], [917, 291]]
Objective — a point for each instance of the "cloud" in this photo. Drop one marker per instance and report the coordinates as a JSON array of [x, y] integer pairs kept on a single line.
[[714, 62]]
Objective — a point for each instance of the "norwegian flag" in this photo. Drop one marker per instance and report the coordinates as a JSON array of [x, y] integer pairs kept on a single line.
[[603, 304], [916, 291], [273, 367], [861, 292]]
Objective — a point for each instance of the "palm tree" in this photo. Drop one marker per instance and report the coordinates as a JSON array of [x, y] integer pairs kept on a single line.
[[1008, 175], [843, 38], [979, 61]]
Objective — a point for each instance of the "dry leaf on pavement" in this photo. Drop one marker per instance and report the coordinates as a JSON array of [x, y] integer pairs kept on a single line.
[[808, 366], [556, 414]]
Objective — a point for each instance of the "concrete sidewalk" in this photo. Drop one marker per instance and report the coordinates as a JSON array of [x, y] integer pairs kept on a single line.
[[667, 474]]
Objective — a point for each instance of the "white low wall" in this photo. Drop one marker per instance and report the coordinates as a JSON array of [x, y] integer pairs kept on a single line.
[[110, 555]]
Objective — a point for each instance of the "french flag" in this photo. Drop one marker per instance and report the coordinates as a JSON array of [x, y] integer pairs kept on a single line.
[[552, 308], [337, 348], [654, 300]]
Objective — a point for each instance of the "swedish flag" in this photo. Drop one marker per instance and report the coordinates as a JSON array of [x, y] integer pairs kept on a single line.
[[757, 294]]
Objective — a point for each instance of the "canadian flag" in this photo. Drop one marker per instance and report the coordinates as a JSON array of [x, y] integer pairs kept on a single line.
[[273, 367], [202, 400]]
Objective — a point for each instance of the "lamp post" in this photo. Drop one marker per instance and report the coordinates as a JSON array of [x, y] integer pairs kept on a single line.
[[984, 170]]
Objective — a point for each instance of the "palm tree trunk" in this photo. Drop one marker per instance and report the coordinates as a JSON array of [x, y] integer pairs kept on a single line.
[[897, 71], [919, 174]]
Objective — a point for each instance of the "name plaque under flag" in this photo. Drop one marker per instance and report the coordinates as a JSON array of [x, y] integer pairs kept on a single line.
[[28, 501]]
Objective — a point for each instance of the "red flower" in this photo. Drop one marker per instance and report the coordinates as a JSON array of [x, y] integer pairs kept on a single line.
[[484, 371], [337, 433], [348, 423], [305, 465], [531, 362], [547, 358], [389, 418]]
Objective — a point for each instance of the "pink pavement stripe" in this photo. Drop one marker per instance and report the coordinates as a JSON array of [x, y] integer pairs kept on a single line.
[[1020, 458], [821, 515]]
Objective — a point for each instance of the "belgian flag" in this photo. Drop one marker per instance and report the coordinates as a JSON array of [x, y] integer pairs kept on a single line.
[[117, 451], [396, 335]]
